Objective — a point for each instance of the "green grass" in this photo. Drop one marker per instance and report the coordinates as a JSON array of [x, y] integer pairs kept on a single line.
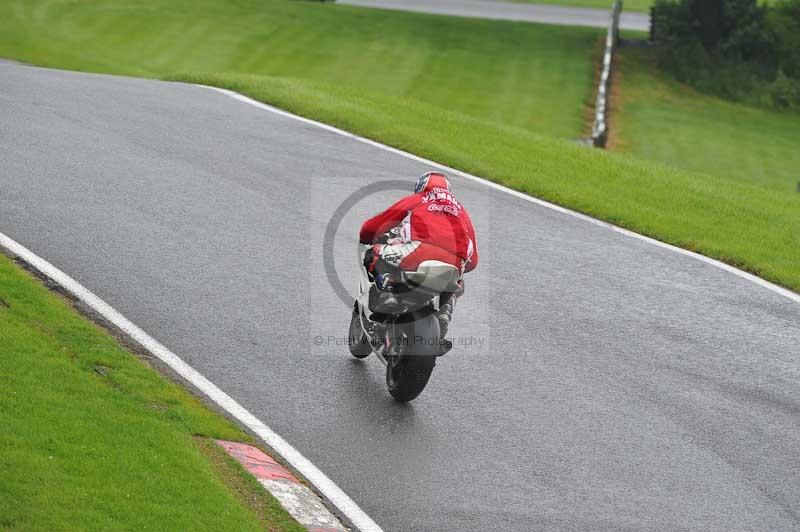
[[501, 72], [353, 76], [660, 119], [92, 439], [628, 5]]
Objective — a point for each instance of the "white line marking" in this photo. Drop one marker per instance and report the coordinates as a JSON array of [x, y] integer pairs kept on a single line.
[[721, 265], [325, 485]]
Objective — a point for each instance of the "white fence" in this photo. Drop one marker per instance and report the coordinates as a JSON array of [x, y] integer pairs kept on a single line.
[[600, 126]]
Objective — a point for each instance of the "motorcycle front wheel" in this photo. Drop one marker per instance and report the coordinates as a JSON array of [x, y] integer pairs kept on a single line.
[[411, 362]]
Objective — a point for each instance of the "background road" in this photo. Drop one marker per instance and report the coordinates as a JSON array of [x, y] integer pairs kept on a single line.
[[619, 385], [547, 14]]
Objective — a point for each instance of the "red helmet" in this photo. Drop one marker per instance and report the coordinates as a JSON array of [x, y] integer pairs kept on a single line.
[[430, 180]]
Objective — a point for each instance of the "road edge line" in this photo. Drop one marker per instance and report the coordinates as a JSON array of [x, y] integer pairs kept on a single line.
[[543, 203], [337, 497]]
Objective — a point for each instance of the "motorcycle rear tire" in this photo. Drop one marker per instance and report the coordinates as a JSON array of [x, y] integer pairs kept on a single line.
[[408, 373]]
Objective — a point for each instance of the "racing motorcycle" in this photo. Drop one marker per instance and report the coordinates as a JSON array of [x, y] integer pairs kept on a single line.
[[405, 335]]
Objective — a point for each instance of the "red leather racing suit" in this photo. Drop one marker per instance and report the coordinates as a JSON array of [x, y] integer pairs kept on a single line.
[[429, 225]]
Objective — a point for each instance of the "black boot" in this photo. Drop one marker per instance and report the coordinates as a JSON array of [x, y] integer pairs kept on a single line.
[[447, 304]]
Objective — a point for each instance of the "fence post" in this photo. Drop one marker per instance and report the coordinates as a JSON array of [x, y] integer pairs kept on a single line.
[[653, 23]]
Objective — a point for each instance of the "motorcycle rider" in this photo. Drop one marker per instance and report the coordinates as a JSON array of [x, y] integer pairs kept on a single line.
[[430, 224]]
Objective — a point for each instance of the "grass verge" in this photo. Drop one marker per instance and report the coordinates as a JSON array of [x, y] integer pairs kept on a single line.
[[93, 439], [660, 119]]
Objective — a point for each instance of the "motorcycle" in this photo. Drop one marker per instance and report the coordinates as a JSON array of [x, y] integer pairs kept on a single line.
[[406, 336]]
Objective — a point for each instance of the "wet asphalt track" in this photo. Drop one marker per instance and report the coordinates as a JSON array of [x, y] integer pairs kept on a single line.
[[618, 385], [519, 11]]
